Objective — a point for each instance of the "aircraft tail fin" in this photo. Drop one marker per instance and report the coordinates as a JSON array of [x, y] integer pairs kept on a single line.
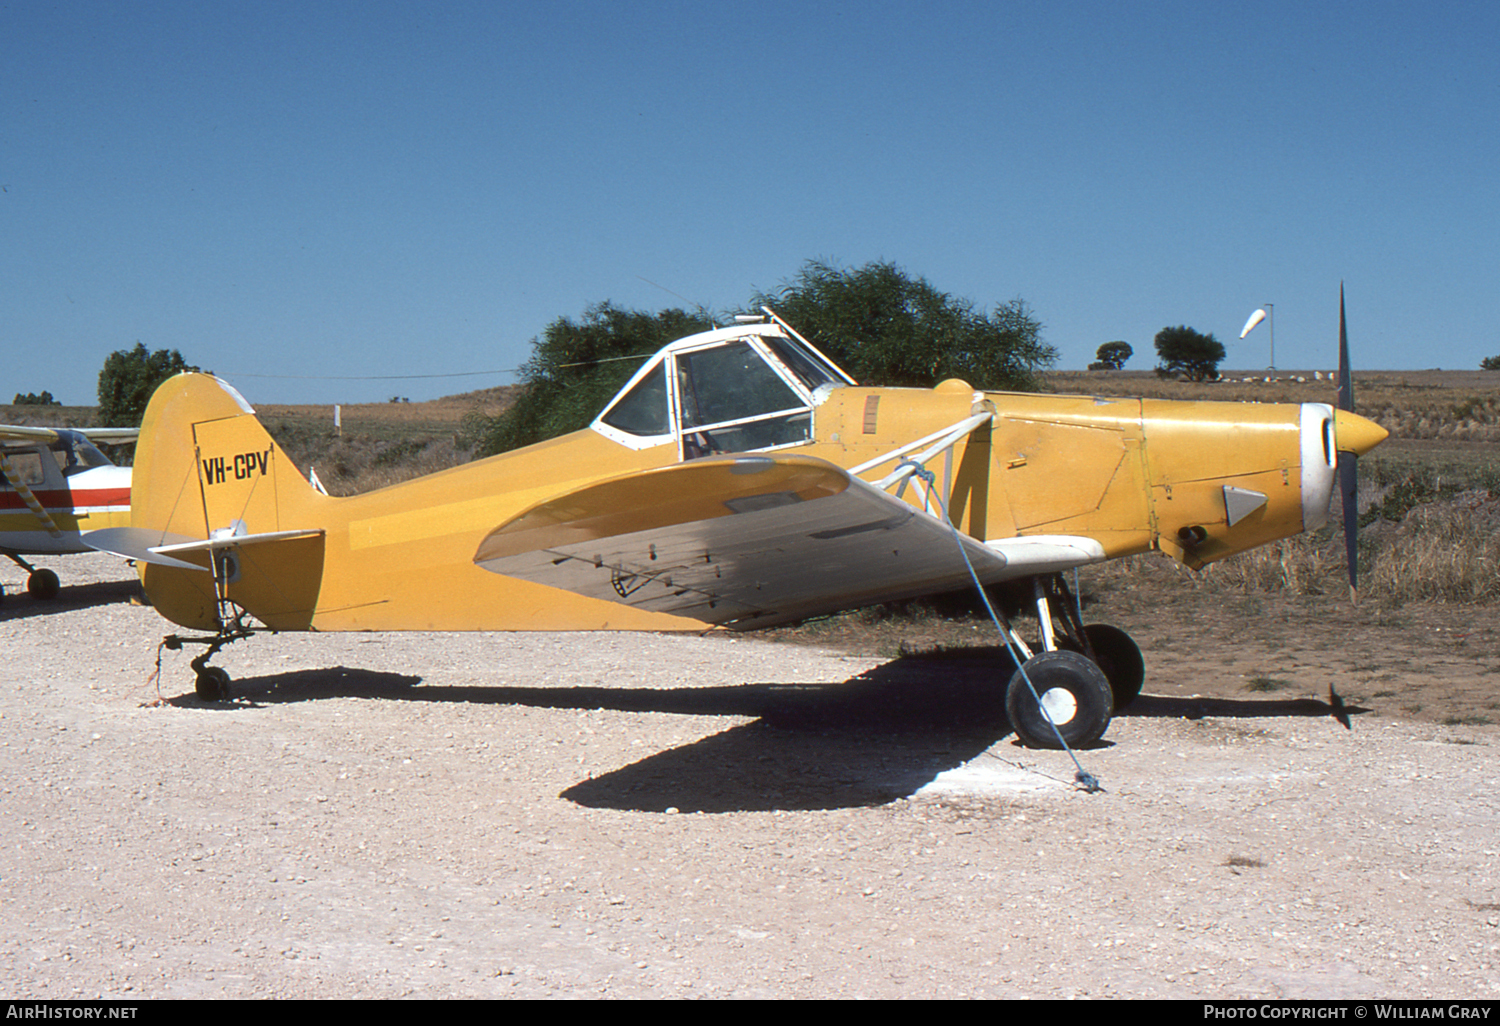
[[208, 471]]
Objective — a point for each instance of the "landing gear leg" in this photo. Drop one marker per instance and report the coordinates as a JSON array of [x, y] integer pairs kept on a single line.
[[1108, 646]]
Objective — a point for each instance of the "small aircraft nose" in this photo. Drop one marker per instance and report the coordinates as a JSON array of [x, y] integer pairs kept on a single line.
[[1353, 433]]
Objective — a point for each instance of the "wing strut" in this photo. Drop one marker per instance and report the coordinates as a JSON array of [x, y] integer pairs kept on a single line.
[[936, 442]]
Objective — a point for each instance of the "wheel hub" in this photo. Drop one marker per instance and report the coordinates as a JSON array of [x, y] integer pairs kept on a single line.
[[1059, 705]]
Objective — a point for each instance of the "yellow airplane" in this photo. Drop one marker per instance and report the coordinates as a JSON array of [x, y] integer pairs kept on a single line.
[[54, 485], [740, 479]]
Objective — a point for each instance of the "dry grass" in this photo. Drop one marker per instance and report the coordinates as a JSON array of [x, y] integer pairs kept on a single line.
[[381, 444]]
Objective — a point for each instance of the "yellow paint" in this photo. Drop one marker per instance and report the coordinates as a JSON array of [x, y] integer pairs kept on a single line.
[[1132, 474]]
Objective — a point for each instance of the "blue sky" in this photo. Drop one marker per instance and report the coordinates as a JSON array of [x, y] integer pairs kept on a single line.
[[290, 192]]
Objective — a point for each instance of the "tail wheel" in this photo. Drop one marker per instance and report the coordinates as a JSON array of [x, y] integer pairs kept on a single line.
[[1075, 698], [212, 684], [1120, 659]]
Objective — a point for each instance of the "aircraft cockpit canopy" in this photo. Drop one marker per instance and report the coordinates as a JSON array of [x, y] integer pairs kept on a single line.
[[742, 389], [38, 464]]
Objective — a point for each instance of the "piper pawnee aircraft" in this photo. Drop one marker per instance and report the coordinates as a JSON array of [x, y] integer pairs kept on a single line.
[[54, 485], [740, 479]]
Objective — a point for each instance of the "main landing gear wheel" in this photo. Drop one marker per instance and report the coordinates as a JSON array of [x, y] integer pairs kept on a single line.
[[1120, 659], [1074, 693], [43, 584], [212, 684]]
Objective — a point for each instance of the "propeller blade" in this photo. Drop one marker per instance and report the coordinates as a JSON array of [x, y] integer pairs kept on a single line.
[[1349, 491], [1348, 461], [1346, 381]]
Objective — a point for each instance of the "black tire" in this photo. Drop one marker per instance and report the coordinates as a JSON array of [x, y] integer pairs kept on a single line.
[[1120, 659], [1073, 689], [212, 684], [43, 584]]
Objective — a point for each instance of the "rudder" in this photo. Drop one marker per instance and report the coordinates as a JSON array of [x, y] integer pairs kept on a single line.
[[207, 468]]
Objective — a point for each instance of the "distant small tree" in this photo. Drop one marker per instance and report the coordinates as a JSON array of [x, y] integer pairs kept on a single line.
[[1112, 356], [30, 399], [129, 377], [1187, 352], [1488, 363]]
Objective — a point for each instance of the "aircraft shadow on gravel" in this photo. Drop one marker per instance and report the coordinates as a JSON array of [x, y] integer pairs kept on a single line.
[[876, 737], [1198, 708], [18, 605]]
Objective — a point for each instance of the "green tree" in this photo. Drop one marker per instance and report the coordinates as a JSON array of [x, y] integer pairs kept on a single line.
[[1184, 351], [129, 377], [1488, 363], [1112, 356], [886, 327], [31, 399], [577, 367]]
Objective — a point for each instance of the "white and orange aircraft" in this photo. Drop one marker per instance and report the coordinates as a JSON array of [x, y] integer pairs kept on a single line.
[[54, 485], [740, 479]]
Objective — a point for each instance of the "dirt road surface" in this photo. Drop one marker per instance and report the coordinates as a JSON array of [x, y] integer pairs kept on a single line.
[[664, 816]]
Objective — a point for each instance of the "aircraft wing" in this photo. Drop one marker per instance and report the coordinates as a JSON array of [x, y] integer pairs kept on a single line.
[[751, 541], [24, 433]]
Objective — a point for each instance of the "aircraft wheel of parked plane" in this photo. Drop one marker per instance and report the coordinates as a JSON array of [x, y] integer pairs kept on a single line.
[[1074, 693], [212, 684], [43, 584], [1119, 657]]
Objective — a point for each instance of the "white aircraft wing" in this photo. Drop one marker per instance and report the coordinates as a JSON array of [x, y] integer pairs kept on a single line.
[[752, 541], [26, 433]]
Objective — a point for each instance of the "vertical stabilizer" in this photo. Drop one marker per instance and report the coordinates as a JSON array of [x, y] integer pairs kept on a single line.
[[206, 468]]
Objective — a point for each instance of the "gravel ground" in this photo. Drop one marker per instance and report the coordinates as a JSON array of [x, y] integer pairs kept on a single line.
[[494, 815]]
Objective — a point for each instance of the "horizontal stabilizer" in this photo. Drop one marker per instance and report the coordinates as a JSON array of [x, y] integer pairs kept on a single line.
[[236, 540], [137, 543], [156, 547]]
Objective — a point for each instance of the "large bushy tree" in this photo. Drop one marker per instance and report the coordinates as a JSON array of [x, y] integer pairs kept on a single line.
[[129, 377], [577, 366], [1189, 353], [886, 327]]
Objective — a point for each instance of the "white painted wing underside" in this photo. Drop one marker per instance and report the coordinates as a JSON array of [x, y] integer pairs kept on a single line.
[[768, 558]]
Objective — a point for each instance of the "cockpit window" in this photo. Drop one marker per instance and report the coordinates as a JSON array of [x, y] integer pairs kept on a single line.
[[732, 401], [808, 370], [729, 383], [643, 410], [727, 390], [26, 466], [75, 453]]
